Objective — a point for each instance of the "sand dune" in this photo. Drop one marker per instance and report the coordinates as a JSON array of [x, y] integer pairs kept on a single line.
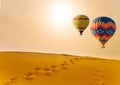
[[27, 68]]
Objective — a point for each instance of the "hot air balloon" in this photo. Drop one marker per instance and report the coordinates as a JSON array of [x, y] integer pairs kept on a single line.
[[81, 22], [103, 29]]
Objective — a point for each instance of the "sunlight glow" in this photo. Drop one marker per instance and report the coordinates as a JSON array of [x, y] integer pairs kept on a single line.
[[61, 13]]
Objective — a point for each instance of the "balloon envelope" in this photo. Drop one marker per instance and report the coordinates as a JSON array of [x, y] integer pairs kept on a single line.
[[81, 22], [103, 29]]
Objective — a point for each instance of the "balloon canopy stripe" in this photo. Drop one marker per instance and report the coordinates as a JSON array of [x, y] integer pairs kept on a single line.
[[103, 25], [80, 19], [103, 19], [101, 32]]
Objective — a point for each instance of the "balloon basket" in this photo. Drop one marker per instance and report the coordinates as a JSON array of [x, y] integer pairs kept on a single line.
[[103, 46]]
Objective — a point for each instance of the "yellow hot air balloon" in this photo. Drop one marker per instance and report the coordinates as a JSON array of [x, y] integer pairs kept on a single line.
[[81, 22]]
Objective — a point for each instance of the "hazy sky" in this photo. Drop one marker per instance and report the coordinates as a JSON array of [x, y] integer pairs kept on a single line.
[[46, 26]]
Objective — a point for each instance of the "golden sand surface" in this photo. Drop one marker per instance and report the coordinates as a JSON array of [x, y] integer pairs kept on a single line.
[[29, 68]]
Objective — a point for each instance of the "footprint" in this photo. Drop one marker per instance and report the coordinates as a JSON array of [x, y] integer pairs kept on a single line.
[[72, 61], [37, 70], [76, 58], [65, 63], [11, 81], [97, 69], [97, 73], [63, 66], [15, 79], [54, 68], [29, 76], [47, 71]]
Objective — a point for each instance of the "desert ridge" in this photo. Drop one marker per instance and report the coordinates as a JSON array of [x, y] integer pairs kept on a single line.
[[29, 68]]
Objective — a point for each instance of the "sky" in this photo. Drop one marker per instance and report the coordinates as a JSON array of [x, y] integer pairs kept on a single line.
[[46, 26]]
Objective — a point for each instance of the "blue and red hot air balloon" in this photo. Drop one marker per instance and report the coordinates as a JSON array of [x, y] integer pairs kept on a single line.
[[103, 29]]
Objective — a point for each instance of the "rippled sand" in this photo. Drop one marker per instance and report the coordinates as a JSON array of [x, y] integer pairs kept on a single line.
[[25, 68]]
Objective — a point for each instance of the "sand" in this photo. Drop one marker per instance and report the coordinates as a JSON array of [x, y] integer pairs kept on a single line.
[[27, 68]]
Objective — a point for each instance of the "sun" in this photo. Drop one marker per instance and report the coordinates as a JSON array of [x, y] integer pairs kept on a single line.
[[61, 13]]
